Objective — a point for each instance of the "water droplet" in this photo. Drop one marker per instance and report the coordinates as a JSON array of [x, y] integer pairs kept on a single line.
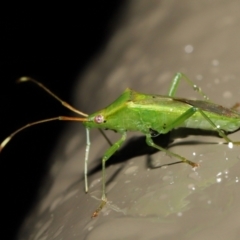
[[199, 77], [196, 88], [218, 180], [131, 170], [206, 97], [179, 214], [230, 145], [227, 94], [90, 228], [215, 62], [188, 48], [237, 180], [191, 186]]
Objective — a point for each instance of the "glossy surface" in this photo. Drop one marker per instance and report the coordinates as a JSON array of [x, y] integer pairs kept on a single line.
[[156, 39]]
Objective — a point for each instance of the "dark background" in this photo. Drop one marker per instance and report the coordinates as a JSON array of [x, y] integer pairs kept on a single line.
[[53, 45]]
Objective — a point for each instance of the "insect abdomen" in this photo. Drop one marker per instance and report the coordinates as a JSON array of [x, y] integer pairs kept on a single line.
[[222, 122]]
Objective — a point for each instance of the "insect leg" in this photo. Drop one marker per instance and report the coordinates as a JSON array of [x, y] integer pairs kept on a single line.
[[173, 125], [88, 143], [180, 120], [106, 156], [217, 129], [150, 142], [175, 82]]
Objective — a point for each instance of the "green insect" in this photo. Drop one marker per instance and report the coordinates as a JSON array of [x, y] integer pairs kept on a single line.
[[150, 114]]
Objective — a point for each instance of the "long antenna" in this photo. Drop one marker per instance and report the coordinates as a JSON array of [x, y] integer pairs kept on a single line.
[[65, 104], [59, 118]]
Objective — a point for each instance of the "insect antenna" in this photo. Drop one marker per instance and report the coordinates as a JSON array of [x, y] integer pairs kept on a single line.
[[65, 104], [59, 118]]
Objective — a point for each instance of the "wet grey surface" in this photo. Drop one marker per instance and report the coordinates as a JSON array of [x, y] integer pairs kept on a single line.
[[154, 40]]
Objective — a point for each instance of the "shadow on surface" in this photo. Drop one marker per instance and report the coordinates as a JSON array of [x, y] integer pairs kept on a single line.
[[137, 146]]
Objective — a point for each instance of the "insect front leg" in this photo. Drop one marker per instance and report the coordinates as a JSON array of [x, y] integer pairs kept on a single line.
[[88, 143], [106, 156], [175, 82]]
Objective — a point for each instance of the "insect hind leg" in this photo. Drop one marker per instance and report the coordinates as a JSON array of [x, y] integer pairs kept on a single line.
[[217, 129], [150, 142], [178, 122], [176, 80]]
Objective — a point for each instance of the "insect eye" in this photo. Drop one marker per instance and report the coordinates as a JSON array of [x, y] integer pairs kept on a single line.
[[99, 119]]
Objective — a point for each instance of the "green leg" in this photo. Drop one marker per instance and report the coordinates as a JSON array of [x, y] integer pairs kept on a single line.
[[88, 143], [106, 156], [180, 120], [175, 82], [175, 124], [172, 92], [215, 128], [150, 142]]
